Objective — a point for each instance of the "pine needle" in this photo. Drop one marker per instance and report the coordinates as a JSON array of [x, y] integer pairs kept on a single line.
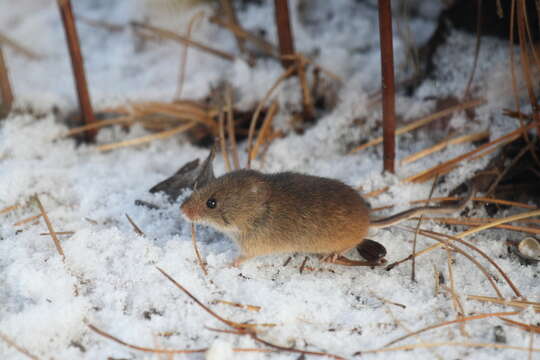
[[424, 121]]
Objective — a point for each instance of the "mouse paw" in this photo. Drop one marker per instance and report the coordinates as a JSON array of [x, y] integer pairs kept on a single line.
[[238, 261], [330, 258]]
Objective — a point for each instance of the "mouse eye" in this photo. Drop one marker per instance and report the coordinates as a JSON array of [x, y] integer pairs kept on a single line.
[[211, 203]]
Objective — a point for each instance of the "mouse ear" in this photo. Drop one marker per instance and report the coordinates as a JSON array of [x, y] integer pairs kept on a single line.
[[259, 189], [206, 173]]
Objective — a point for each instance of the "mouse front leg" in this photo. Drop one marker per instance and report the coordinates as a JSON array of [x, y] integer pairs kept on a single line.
[[239, 260]]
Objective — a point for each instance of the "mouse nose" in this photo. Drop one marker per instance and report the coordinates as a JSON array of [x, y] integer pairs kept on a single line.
[[187, 211]]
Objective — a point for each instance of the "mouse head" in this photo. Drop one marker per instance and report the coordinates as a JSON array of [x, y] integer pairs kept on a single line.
[[231, 203]]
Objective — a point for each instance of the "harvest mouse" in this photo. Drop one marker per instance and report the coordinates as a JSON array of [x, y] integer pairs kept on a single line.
[[289, 212]]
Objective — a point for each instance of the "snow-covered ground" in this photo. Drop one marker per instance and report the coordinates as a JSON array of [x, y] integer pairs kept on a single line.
[[109, 277]]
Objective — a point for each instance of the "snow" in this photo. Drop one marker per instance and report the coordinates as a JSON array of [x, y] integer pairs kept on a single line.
[[109, 276]]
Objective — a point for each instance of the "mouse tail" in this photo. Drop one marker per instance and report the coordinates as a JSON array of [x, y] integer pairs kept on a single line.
[[417, 211]]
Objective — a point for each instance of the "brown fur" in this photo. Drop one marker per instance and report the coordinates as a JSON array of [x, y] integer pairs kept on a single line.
[[284, 212], [290, 212]]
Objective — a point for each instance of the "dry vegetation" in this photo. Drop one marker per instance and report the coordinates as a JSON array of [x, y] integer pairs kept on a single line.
[[219, 119]]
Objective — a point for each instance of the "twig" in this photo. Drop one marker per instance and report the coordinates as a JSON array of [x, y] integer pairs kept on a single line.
[[480, 199], [196, 249], [522, 304], [481, 253], [98, 125], [243, 329], [18, 48], [526, 327], [49, 226], [9, 209], [255, 117], [443, 241], [458, 306], [476, 47], [445, 323], [444, 144], [307, 100], [230, 127], [222, 143], [135, 227], [238, 305], [5, 85], [386, 301], [70, 28], [499, 221], [466, 222], [183, 39], [514, 161], [99, 23], [20, 349], [183, 57], [425, 120], [301, 270], [522, 20], [58, 233], [449, 165], [377, 192], [264, 129], [446, 343], [228, 7], [240, 32], [148, 138], [513, 75], [413, 266], [143, 349], [388, 86], [285, 37], [27, 220]]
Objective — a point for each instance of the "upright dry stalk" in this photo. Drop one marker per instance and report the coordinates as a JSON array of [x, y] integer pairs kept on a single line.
[[5, 86], [388, 88], [85, 106], [285, 37], [228, 8]]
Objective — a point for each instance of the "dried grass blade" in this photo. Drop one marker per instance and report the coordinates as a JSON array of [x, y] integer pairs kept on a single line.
[[196, 249], [148, 138], [450, 164], [445, 323], [446, 343], [9, 209], [474, 248], [183, 39], [424, 121], [27, 220], [143, 349], [498, 222], [19, 48], [526, 327], [137, 229], [19, 348], [98, 124], [222, 143], [49, 226], [230, 128], [444, 144], [480, 199], [6, 93], [522, 304], [255, 117], [238, 305], [264, 129]]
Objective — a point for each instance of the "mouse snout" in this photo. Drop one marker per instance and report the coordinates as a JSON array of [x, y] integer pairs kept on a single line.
[[188, 211]]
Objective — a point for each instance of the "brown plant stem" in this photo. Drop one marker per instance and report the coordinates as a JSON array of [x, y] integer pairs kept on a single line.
[[388, 87], [77, 64]]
